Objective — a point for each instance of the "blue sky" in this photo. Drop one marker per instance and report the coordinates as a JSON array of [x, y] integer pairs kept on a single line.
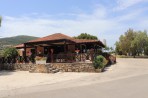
[[106, 19]]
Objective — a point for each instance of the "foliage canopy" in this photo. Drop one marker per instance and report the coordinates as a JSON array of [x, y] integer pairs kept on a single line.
[[10, 52], [86, 36], [132, 43], [99, 62]]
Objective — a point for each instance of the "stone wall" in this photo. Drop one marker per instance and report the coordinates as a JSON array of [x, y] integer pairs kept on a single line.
[[52, 68], [74, 67], [21, 67]]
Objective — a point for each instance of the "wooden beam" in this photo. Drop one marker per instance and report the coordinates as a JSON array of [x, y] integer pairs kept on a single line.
[[65, 46], [25, 59], [49, 42]]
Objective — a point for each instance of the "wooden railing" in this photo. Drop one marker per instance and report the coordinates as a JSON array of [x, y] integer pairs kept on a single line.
[[73, 57], [55, 58]]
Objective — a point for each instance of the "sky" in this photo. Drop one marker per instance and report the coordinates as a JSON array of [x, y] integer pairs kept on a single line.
[[106, 19]]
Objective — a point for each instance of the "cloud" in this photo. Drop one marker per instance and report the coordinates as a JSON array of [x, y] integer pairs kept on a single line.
[[124, 4], [103, 22], [92, 24]]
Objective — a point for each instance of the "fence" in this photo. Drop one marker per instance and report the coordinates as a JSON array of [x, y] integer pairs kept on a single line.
[[55, 58]]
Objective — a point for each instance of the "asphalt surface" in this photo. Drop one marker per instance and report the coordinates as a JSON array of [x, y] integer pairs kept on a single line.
[[135, 87], [126, 79]]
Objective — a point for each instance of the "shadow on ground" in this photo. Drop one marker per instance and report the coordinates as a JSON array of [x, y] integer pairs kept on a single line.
[[108, 66], [6, 72]]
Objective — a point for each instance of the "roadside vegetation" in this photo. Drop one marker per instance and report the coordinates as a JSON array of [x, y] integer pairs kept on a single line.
[[132, 43], [100, 62]]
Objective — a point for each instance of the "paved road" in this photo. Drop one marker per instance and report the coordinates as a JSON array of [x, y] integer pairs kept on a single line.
[[135, 87], [127, 79]]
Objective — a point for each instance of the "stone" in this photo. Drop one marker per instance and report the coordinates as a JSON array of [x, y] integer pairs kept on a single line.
[[69, 70], [47, 68], [41, 68], [98, 70]]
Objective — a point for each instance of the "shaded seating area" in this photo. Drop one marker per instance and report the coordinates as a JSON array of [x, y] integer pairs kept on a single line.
[[60, 48]]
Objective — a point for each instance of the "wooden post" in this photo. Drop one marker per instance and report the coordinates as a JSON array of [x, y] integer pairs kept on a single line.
[[94, 48], [65, 50], [25, 59], [51, 50], [36, 52], [65, 46], [80, 52]]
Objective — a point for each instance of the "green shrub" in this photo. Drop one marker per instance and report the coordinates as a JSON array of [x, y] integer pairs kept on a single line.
[[10, 52], [99, 62]]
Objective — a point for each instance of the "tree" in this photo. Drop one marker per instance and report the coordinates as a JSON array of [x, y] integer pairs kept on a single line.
[[109, 49], [133, 43], [112, 50], [129, 37], [140, 42], [146, 50], [123, 45], [118, 48], [86, 36], [10, 52]]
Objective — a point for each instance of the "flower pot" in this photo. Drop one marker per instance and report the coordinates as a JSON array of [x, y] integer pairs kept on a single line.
[[40, 61]]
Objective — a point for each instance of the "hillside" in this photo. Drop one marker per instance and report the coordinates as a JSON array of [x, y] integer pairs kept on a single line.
[[15, 40]]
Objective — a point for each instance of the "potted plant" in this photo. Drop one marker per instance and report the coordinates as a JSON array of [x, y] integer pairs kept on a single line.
[[40, 60]]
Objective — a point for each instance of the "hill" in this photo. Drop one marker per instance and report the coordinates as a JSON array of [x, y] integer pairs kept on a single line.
[[15, 40]]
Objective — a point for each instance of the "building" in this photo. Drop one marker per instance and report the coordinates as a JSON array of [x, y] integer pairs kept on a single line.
[[60, 48]]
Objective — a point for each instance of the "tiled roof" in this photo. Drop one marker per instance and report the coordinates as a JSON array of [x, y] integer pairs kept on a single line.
[[19, 46], [85, 41], [59, 36], [89, 41], [56, 36]]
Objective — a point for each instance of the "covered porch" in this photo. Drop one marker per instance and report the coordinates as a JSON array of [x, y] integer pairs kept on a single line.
[[59, 48]]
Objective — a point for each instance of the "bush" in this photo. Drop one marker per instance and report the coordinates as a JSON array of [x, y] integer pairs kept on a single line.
[[99, 62], [10, 52]]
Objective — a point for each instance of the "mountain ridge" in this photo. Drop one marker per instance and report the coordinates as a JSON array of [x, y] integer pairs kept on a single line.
[[15, 40]]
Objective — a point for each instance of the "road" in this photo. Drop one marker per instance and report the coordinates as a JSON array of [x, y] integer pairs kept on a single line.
[[135, 87], [126, 79]]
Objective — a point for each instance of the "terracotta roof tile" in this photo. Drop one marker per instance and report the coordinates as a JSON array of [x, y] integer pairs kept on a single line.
[[19, 46], [59, 36], [56, 36], [89, 41], [84, 41]]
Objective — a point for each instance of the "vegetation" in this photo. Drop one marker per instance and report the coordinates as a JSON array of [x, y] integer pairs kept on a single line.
[[16, 40], [86, 36], [109, 49], [11, 41], [10, 52], [132, 43], [99, 62]]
